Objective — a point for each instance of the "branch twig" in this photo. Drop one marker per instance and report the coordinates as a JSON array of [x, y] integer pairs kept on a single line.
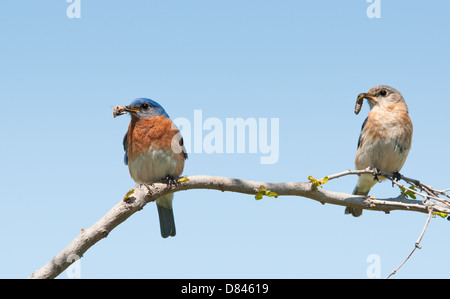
[[416, 245]]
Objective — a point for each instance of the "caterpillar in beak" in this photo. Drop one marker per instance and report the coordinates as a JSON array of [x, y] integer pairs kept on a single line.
[[119, 110], [359, 103]]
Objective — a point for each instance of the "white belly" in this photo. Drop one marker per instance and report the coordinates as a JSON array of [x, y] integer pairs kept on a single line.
[[383, 155], [152, 166]]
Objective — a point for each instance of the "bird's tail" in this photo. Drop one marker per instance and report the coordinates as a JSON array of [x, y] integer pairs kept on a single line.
[[365, 183], [356, 212], [166, 219]]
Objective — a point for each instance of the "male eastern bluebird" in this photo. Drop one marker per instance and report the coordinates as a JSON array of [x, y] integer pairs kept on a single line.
[[154, 152], [385, 138]]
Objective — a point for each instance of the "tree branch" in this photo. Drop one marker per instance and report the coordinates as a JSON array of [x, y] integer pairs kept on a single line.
[[143, 195]]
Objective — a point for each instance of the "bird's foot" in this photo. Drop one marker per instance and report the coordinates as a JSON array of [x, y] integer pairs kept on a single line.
[[171, 181], [149, 187], [376, 174], [397, 176]]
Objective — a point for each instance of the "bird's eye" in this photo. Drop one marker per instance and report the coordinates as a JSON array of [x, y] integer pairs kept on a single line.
[[144, 106], [383, 93]]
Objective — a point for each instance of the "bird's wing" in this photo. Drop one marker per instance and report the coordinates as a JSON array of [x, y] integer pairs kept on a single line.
[[360, 140], [183, 148], [125, 148]]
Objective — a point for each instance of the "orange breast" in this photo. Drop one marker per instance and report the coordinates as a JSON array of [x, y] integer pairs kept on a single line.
[[153, 134]]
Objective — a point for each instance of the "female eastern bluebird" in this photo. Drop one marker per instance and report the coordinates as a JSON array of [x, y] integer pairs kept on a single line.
[[154, 151], [385, 138]]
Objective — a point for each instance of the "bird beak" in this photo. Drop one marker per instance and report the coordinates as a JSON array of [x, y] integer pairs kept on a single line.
[[367, 96], [131, 109]]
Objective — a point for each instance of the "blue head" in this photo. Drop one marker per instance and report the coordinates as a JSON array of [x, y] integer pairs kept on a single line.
[[143, 108]]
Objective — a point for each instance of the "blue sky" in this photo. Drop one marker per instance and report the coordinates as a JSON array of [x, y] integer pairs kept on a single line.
[[303, 62]]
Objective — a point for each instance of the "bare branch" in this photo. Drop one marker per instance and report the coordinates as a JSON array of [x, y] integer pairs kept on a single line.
[[416, 245], [141, 196]]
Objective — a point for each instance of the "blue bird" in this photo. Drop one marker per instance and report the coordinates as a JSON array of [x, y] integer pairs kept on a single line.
[[154, 152]]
